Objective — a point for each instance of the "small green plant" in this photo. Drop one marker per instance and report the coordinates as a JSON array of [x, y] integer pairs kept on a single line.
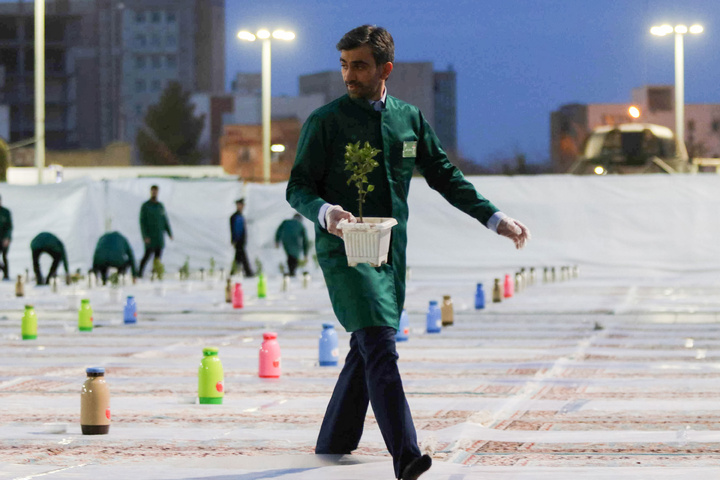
[[185, 269], [360, 162], [211, 272], [158, 268], [281, 266], [114, 279], [258, 266]]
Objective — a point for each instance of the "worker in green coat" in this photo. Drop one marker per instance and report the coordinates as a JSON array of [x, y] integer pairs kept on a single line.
[[154, 224], [6, 228], [46, 242], [291, 234], [368, 300], [113, 251]]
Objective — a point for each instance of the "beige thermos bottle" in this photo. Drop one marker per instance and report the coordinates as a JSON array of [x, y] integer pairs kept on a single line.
[[95, 403]]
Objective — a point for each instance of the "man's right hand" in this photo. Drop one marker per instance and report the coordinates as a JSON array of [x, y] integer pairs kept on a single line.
[[333, 218], [147, 239]]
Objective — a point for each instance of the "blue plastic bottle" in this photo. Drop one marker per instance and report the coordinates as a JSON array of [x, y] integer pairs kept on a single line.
[[434, 320], [329, 353], [403, 333], [130, 310], [479, 297]]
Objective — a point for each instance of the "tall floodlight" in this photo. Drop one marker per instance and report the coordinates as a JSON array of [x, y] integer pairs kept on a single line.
[[266, 37], [680, 31], [40, 87]]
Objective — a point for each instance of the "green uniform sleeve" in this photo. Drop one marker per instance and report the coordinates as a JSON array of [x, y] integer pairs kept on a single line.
[[131, 257], [278, 232], [306, 243], [144, 221], [64, 259], [447, 179], [303, 190]]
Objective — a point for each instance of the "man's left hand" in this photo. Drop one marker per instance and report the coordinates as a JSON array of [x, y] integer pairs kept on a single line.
[[515, 231]]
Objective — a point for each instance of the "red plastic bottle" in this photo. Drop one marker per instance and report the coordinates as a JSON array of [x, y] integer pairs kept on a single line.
[[270, 356], [509, 286], [237, 296]]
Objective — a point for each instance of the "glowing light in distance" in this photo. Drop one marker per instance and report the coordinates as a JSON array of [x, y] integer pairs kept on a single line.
[[599, 170], [245, 35], [634, 111]]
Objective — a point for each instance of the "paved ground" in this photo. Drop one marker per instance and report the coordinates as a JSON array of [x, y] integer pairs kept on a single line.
[[608, 375]]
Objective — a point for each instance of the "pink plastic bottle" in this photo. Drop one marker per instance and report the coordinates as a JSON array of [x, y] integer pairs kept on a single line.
[[237, 296], [270, 356], [509, 286]]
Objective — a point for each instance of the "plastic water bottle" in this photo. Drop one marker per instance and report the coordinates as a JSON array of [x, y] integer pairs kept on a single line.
[[95, 403], [211, 388], [29, 323], [479, 297], [262, 286], [85, 316], [329, 352], [497, 291], [434, 321], [509, 287], [130, 311], [403, 333], [237, 296], [270, 359]]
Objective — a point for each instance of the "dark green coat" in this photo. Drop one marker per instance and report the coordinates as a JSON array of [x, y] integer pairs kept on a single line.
[[154, 223], [293, 237], [49, 243], [6, 225], [366, 296], [113, 250]]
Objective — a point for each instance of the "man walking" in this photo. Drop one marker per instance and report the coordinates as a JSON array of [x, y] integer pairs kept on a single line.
[[113, 251], [291, 233], [153, 225], [6, 227], [46, 242], [238, 237], [367, 300]]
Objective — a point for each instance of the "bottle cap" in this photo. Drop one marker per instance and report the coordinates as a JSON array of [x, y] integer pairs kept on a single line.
[[95, 371], [328, 325], [130, 297], [446, 297], [85, 300], [27, 307], [269, 335], [433, 302], [207, 351]]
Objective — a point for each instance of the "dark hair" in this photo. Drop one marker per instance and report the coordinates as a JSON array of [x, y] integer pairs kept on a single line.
[[377, 38], [155, 187]]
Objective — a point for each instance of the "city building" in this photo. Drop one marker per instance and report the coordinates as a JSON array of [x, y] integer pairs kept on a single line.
[[571, 124], [433, 92], [106, 62]]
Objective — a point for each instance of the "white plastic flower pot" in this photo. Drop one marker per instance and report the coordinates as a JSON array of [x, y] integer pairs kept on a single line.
[[367, 242]]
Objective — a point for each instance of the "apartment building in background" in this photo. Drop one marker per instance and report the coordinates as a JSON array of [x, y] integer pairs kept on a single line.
[[106, 62], [571, 124]]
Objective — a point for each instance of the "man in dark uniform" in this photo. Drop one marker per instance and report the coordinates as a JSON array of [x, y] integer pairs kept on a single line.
[[113, 251], [238, 237], [368, 300], [291, 234], [153, 225], [6, 227], [46, 242]]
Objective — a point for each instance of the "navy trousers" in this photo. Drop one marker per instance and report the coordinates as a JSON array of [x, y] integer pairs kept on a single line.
[[370, 375]]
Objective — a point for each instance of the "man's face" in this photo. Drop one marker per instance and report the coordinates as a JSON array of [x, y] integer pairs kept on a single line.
[[362, 76], [153, 193], [240, 207]]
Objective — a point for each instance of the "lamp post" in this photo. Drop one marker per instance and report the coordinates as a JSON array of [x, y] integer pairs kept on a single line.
[[679, 30], [40, 88], [265, 36]]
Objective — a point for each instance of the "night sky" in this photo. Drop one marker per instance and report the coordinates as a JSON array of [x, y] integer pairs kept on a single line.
[[516, 60]]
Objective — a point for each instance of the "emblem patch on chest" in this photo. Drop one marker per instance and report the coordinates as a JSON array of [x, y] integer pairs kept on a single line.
[[409, 149]]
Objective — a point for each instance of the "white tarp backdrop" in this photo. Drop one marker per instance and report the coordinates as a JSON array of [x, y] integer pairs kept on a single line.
[[668, 222]]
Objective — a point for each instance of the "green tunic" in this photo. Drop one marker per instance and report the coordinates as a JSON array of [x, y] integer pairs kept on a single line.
[[6, 225], [47, 242], [113, 250], [293, 237], [365, 296], [154, 223]]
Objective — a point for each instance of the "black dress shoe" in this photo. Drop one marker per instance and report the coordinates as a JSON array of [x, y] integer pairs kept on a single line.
[[416, 468]]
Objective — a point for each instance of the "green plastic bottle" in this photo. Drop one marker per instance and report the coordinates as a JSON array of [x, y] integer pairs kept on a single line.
[[85, 316], [29, 323], [262, 286], [211, 388]]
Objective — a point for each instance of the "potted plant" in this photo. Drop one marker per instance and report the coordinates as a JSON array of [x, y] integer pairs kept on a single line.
[[368, 240]]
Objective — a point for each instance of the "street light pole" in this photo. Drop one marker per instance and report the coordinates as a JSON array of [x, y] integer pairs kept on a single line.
[[40, 88], [266, 97], [266, 106], [679, 30]]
